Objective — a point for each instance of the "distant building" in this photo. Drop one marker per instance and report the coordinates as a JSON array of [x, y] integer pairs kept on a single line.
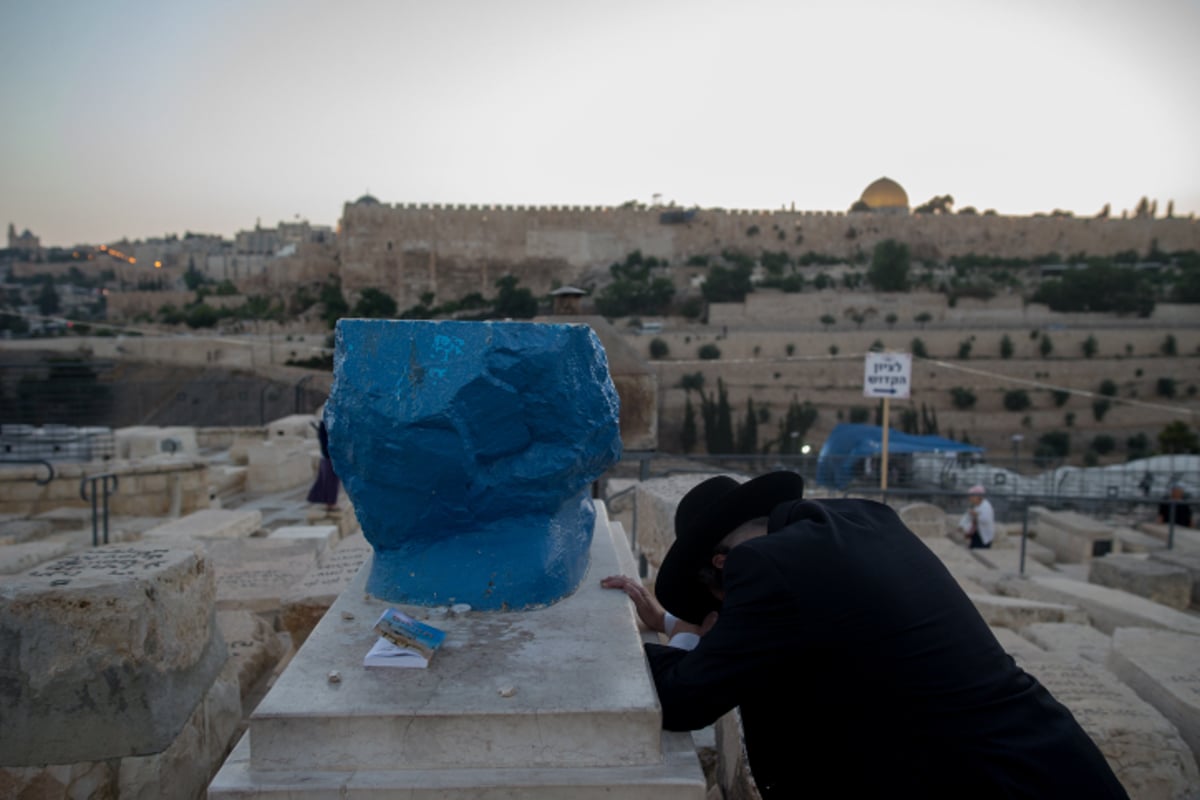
[[883, 195], [27, 244]]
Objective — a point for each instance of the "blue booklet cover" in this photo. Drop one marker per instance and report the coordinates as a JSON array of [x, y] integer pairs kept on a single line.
[[410, 634]]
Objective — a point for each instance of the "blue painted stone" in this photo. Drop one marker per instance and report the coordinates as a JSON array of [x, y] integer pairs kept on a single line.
[[468, 449]]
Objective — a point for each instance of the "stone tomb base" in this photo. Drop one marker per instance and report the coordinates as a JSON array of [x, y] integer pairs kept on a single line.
[[550, 703]]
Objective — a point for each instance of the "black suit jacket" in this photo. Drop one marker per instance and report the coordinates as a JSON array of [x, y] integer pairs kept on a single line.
[[863, 670]]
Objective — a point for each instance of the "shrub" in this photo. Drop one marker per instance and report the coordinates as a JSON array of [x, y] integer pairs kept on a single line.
[[833, 351], [1046, 347], [1089, 346], [1052, 446], [1108, 387], [918, 348], [709, 352], [963, 398], [1100, 407], [693, 380], [1104, 444], [791, 348], [659, 348], [1165, 387], [1016, 400], [1060, 397], [828, 319], [922, 318], [1006, 347], [1069, 419], [1169, 347], [859, 415], [964, 349]]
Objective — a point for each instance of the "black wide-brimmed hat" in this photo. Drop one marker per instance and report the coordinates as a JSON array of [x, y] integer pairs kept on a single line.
[[706, 514]]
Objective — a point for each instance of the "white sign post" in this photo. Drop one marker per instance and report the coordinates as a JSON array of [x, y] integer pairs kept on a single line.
[[887, 375]]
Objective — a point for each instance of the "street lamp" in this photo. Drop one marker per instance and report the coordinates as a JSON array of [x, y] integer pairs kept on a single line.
[[1016, 445]]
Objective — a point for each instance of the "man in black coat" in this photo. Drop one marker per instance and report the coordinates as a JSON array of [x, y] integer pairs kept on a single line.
[[860, 667]]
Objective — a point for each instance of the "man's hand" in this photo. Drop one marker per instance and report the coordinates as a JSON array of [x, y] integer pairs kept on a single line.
[[648, 609]]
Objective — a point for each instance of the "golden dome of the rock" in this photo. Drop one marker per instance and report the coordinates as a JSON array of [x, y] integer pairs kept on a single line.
[[885, 193]]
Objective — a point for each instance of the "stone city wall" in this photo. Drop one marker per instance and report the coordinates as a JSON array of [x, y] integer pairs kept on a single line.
[[451, 251]]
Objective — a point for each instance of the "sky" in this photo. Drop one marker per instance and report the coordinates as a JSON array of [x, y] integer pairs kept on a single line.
[[139, 118]]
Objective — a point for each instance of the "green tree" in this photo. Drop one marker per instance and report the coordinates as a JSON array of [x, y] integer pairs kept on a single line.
[[1089, 346], [709, 352], [1045, 346], [635, 289], [798, 419], [891, 318], [859, 414], [1165, 387], [333, 301], [1103, 444], [718, 421], [889, 266], [1101, 286], [963, 398], [687, 435], [47, 298], [1169, 346], [1053, 446], [964, 349], [692, 381], [828, 320], [747, 441], [725, 285], [1016, 400], [1177, 437], [918, 348], [1006, 346], [1060, 397], [375, 304], [659, 348], [1100, 407], [1108, 387], [923, 318], [513, 302]]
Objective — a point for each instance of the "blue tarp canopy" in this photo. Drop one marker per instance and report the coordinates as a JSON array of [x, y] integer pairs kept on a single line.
[[848, 444]]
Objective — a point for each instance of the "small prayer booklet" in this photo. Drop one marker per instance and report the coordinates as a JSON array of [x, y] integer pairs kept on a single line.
[[403, 642]]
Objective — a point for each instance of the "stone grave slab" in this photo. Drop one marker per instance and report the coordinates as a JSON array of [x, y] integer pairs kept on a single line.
[[1142, 746], [1071, 640], [1134, 541], [1074, 538], [1185, 560], [1109, 609], [253, 646], [278, 464], [67, 518], [129, 627], [308, 599], [1153, 580], [924, 519], [18, 529], [208, 523], [1164, 669], [1016, 613], [321, 537], [655, 502], [146, 441], [254, 574], [486, 719], [15, 558], [298, 426], [1185, 539], [1008, 558]]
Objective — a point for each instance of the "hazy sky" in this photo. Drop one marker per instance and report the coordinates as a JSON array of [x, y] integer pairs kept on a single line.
[[141, 117]]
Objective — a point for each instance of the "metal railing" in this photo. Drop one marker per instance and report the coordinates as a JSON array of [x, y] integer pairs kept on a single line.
[[88, 491]]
